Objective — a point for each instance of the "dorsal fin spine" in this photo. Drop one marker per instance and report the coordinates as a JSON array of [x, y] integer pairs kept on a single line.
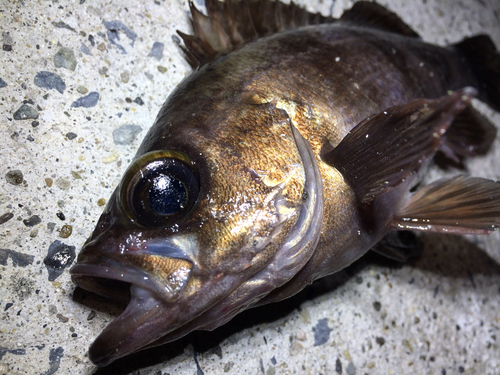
[[232, 23]]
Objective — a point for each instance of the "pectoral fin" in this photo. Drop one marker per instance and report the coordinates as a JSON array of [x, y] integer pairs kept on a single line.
[[382, 151], [465, 205]]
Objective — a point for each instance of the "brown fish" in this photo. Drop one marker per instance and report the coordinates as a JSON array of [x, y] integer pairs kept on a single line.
[[287, 154]]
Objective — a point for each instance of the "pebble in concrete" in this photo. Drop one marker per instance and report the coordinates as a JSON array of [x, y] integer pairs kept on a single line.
[[65, 58], [126, 134], [87, 101], [14, 177], [113, 28], [25, 112], [59, 257], [156, 51], [49, 80]]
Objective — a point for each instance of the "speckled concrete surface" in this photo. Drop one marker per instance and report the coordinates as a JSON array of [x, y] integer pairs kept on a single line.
[[81, 82]]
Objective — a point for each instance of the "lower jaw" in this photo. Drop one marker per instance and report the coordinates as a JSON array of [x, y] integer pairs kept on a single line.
[[133, 330]]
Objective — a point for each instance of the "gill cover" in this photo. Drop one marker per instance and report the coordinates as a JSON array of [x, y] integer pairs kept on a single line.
[[159, 186]]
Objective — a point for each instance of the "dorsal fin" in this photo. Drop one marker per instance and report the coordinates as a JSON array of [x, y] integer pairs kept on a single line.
[[371, 14], [232, 23]]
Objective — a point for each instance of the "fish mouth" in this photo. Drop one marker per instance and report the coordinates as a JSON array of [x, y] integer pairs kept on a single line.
[[146, 297], [115, 340]]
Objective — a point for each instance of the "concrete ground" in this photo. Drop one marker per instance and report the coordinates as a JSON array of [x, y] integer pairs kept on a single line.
[[75, 102]]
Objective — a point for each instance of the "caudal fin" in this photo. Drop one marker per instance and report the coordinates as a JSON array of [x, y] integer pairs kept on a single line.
[[484, 61]]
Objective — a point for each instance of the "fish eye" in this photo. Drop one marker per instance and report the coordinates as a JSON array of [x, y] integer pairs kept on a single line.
[[158, 187]]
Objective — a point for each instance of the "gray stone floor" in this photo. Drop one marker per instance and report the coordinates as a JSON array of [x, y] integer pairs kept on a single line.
[[439, 314]]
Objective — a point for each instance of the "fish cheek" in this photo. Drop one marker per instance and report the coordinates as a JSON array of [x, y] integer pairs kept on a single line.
[[171, 274]]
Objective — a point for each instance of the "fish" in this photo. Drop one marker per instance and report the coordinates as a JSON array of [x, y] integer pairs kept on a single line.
[[298, 143]]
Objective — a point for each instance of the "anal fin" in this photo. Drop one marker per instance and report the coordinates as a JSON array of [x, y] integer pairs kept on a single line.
[[399, 246], [465, 205], [383, 151]]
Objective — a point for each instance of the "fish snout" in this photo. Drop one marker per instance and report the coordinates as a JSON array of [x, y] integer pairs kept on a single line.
[[110, 268]]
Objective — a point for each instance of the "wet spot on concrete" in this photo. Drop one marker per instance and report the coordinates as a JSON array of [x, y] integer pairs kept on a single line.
[[18, 259], [156, 51], [321, 332], [49, 80], [87, 101], [23, 287], [32, 221], [55, 356], [59, 257], [25, 112], [14, 177], [126, 134], [6, 217], [2, 83], [4, 351], [63, 183], [114, 27], [65, 58]]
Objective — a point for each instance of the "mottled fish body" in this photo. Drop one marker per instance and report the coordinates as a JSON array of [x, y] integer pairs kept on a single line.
[[285, 156]]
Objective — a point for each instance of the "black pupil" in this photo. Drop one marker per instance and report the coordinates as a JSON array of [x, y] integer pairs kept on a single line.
[[167, 195]]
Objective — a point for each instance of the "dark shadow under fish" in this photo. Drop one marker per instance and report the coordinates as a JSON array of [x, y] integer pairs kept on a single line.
[[289, 153]]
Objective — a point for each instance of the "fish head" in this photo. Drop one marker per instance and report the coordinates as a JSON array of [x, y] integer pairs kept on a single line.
[[199, 230]]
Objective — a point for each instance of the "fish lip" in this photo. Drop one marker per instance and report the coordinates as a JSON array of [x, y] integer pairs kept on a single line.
[[94, 277]]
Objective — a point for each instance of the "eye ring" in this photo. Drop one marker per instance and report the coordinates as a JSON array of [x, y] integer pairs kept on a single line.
[[159, 187]]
